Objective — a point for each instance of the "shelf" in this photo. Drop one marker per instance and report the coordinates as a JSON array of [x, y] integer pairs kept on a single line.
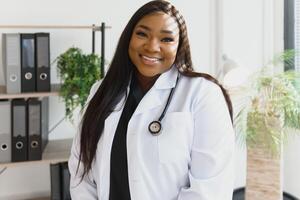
[[55, 151], [41, 198], [54, 92], [18, 26]]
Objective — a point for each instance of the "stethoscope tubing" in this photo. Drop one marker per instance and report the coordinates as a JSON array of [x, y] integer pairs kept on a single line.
[[168, 101], [156, 126]]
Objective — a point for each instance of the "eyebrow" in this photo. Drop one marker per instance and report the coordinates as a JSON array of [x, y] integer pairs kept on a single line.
[[162, 31]]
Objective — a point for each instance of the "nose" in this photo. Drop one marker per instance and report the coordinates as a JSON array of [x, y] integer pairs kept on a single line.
[[152, 45]]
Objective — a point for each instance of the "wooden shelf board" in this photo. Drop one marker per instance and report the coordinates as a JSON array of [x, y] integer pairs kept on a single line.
[[28, 95], [55, 151], [19, 26], [54, 92], [41, 198]]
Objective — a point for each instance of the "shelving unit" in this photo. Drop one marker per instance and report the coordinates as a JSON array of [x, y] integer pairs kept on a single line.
[[56, 150]]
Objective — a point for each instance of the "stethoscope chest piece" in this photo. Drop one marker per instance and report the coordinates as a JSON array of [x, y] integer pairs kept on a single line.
[[155, 128]]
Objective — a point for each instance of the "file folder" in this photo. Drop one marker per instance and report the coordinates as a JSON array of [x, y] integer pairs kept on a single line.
[[34, 129], [65, 173], [55, 177], [42, 55], [60, 181], [5, 132], [45, 122], [19, 136], [28, 71], [11, 62]]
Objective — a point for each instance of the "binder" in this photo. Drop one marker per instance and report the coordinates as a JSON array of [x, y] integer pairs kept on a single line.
[[65, 181], [11, 55], [34, 129], [19, 136], [28, 73], [42, 55], [5, 132], [45, 122], [60, 181], [55, 177]]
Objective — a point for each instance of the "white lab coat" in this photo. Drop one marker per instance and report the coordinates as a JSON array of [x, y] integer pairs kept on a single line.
[[192, 159]]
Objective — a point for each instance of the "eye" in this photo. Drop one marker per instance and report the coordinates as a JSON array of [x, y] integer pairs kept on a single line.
[[167, 39], [141, 33]]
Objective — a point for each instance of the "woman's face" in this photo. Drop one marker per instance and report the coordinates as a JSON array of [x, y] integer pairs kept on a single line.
[[153, 45]]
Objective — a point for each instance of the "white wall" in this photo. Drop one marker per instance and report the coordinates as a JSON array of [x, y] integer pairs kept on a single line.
[[240, 36]]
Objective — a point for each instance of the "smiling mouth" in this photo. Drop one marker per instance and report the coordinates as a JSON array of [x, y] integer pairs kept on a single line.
[[150, 60]]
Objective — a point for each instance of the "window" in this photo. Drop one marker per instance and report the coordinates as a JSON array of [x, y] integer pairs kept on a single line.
[[292, 30]]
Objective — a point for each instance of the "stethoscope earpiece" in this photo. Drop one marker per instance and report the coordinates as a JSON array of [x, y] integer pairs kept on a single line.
[[155, 128]]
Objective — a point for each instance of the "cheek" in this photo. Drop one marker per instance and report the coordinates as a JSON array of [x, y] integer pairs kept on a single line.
[[171, 53], [173, 49]]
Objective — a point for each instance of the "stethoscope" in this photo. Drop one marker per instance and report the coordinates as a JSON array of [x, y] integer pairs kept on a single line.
[[155, 126]]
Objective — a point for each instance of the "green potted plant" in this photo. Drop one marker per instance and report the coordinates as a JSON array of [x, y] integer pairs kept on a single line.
[[264, 124], [78, 72]]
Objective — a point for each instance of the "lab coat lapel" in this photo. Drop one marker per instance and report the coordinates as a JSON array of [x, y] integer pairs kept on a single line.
[[154, 96]]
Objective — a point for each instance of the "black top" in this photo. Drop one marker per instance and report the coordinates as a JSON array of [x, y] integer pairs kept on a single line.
[[119, 185]]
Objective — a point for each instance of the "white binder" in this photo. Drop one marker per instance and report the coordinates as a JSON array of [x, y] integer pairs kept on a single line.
[[12, 62], [5, 132]]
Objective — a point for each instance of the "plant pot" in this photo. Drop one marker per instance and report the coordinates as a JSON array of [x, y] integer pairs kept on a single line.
[[264, 175], [264, 171]]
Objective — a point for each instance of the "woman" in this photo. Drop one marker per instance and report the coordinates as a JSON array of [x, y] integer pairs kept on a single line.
[[154, 129]]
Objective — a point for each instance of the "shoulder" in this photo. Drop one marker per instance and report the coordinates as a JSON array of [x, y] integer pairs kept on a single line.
[[202, 93], [207, 97], [201, 85]]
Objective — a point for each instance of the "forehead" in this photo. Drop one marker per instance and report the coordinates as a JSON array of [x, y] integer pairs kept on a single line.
[[159, 21]]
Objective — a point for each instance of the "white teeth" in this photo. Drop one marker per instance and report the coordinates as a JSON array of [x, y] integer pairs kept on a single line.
[[150, 59]]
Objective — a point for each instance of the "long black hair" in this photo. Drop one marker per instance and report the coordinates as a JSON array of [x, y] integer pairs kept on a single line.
[[114, 85]]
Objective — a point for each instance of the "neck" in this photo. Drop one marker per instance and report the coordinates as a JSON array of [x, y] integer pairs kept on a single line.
[[145, 82]]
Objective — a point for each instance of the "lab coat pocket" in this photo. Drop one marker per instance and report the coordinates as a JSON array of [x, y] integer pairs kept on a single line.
[[174, 142]]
